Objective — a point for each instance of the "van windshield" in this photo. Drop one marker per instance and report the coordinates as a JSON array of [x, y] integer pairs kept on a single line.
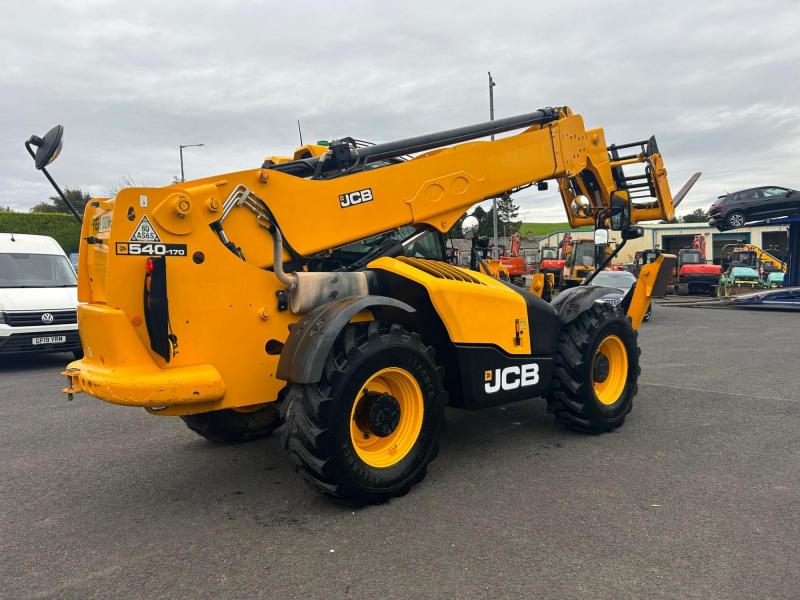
[[22, 270]]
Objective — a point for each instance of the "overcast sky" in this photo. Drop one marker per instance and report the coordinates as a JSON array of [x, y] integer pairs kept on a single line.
[[718, 83]]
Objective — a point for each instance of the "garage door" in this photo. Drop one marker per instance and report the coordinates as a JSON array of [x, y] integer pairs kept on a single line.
[[673, 243], [776, 243], [720, 240]]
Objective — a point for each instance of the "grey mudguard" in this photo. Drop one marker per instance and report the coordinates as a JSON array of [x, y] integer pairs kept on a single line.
[[573, 301], [311, 339]]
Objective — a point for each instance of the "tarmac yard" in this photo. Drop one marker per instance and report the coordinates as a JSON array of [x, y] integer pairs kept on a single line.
[[697, 496]]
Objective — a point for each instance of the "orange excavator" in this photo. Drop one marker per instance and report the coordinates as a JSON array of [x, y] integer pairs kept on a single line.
[[514, 262]]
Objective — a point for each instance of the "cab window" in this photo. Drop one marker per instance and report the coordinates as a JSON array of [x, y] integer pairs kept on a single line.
[[428, 246]]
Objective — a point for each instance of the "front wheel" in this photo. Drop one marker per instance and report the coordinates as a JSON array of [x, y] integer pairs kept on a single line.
[[368, 429], [597, 370]]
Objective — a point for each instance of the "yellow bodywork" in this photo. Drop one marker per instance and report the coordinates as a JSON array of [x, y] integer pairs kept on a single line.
[[645, 286], [496, 268], [222, 308], [540, 282], [481, 312]]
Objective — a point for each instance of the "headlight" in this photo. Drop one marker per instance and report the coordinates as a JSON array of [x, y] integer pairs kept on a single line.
[[2, 317]]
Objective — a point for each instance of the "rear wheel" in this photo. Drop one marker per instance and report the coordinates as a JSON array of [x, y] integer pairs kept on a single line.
[[597, 369], [736, 219], [368, 429], [231, 426]]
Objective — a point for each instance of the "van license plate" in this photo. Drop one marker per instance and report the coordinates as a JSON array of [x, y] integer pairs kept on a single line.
[[50, 339]]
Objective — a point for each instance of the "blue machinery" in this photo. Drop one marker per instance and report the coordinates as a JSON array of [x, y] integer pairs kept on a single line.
[[787, 297]]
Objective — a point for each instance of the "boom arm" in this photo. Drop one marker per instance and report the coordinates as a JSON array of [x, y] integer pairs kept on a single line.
[[766, 257], [355, 192]]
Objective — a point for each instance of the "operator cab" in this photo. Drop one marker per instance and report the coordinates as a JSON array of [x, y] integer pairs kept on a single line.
[[350, 256]]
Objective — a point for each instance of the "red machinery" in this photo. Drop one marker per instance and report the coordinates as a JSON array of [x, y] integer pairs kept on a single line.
[[515, 263], [693, 275], [554, 259]]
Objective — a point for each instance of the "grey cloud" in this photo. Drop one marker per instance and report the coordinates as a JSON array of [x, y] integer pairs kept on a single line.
[[716, 82]]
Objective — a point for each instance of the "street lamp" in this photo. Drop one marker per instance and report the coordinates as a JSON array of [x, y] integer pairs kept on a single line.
[[182, 146], [494, 200]]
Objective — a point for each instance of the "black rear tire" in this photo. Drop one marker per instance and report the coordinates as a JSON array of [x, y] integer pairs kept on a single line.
[[318, 431], [232, 427], [574, 400]]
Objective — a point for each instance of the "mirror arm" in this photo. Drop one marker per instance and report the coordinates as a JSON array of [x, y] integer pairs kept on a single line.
[[481, 262], [475, 260], [55, 185], [605, 263]]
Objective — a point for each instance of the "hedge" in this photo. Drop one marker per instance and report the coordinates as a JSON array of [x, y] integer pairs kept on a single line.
[[61, 226]]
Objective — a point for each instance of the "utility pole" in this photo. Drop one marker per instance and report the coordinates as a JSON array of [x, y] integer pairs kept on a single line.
[[182, 146], [300, 131], [494, 200]]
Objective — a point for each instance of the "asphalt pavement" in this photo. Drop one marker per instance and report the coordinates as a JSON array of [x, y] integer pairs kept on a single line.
[[697, 496]]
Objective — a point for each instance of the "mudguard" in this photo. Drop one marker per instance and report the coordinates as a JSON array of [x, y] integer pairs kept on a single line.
[[573, 301], [311, 339]]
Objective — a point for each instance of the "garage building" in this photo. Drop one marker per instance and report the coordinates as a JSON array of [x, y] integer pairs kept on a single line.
[[671, 237]]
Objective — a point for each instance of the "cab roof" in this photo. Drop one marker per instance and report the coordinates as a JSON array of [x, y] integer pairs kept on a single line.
[[30, 244]]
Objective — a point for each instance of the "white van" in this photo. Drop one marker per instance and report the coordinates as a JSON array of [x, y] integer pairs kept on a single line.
[[38, 296]]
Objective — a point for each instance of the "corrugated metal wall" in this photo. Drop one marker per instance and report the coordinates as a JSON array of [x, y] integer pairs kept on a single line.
[[654, 237]]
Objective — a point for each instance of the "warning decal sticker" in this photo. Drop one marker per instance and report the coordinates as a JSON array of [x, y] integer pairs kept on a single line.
[[145, 232]]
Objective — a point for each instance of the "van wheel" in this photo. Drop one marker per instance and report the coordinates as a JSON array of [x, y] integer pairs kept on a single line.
[[596, 371], [369, 428], [231, 426]]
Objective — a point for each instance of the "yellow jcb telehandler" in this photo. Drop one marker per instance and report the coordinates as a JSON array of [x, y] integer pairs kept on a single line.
[[305, 291]]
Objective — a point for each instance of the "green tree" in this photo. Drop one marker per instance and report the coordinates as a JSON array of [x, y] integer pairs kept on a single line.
[[485, 218], [78, 198], [455, 230], [698, 215], [507, 212]]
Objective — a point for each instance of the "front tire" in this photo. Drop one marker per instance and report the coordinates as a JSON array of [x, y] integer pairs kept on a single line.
[[369, 428], [597, 370]]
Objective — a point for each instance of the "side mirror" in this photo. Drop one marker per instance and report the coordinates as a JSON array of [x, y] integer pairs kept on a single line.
[[469, 227], [620, 212], [47, 148], [581, 207], [600, 237], [632, 232]]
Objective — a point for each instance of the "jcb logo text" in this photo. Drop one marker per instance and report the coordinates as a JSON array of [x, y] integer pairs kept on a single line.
[[354, 198], [511, 378]]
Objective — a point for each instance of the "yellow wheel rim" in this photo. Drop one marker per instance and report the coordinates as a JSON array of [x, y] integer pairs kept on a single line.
[[610, 370], [383, 452]]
